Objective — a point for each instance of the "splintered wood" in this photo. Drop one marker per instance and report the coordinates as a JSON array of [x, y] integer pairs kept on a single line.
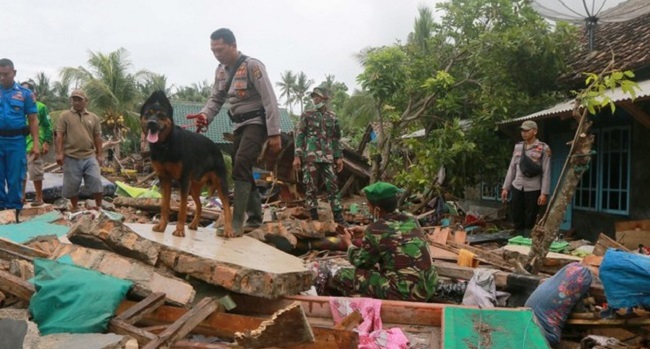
[[287, 327]]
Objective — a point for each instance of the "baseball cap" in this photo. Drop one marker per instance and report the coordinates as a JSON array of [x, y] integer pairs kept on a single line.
[[78, 93], [528, 125]]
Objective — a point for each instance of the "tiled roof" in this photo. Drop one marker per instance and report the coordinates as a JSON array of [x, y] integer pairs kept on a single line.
[[221, 123], [629, 40]]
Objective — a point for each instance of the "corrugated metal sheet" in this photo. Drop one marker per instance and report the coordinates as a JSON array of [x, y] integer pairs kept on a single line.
[[616, 95]]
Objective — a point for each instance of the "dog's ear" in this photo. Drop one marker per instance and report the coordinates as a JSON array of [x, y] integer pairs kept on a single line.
[[158, 100]]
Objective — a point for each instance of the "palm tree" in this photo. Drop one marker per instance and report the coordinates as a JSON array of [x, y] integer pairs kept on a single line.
[[150, 82], [422, 28], [197, 92], [287, 86], [111, 88], [300, 89]]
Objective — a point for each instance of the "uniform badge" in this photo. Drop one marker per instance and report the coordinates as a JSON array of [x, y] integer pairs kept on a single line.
[[257, 72]]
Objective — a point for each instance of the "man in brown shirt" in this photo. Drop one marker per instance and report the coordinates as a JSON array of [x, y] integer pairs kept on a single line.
[[243, 82], [79, 149]]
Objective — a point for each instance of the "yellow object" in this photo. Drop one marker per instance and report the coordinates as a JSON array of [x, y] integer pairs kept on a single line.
[[467, 259]]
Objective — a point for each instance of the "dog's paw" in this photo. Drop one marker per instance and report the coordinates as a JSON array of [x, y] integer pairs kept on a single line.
[[193, 226], [179, 232], [159, 228]]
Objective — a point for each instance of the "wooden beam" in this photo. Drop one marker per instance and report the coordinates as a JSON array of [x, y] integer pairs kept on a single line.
[[225, 325], [605, 242], [185, 324], [124, 328], [286, 327], [10, 284], [393, 312], [637, 113], [10, 250], [484, 256], [143, 308]]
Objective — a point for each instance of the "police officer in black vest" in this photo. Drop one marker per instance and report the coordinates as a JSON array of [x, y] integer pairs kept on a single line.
[[243, 83]]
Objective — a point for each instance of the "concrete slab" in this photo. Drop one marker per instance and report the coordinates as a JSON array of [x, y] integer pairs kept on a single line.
[[86, 341], [243, 265], [146, 278], [16, 331]]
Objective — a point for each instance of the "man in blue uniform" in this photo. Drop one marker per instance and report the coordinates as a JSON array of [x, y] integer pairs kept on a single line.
[[15, 102]]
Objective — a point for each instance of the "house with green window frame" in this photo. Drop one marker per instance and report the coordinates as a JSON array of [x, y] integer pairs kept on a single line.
[[615, 186]]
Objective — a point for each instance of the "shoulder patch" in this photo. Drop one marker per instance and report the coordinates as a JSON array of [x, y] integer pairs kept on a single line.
[[548, 151], [257, 72]]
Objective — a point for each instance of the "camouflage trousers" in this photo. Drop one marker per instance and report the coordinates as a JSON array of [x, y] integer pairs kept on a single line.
[[311, 171], [382, 285]]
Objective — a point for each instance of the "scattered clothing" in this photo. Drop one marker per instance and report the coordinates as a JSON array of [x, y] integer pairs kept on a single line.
[[371, 333]]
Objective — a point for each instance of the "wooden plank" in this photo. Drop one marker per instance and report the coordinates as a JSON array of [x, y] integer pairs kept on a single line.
[[225, 325], [10, 250], [350, 322], [142, 308], [286, 327], [460, 236], [10, 284], [185, 324], [604, 242], [484, 256], [124, 328], [394, 312], [439, 253], [440, 235]]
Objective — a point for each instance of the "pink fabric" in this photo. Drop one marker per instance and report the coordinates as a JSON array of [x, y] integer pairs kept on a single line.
[[371, 334]]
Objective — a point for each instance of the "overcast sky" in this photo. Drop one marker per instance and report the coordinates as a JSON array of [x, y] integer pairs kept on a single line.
[[172, 37]]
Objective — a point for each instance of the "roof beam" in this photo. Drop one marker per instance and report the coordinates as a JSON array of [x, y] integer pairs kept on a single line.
[[637, 113]]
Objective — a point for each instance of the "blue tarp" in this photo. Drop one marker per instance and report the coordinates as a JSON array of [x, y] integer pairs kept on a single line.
[[626, 279]]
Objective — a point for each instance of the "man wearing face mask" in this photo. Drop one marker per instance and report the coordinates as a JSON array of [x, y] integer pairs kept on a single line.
[[392, 260], [318, 151], [242, 82]]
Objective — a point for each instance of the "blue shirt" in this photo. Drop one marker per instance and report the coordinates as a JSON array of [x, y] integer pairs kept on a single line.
[[15, 103]]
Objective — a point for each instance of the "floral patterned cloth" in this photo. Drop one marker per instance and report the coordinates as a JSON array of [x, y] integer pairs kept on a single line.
[[371, 334]]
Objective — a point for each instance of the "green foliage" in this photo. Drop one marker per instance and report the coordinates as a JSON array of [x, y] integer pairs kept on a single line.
[[594, 98], [449, 146], [482, 62], [111, 88]]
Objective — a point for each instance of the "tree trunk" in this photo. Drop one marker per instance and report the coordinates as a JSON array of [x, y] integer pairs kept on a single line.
[[577, 162]]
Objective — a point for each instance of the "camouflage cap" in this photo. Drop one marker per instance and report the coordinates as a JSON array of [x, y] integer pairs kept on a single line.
[[320, 92], [528, 125], [380, 191]]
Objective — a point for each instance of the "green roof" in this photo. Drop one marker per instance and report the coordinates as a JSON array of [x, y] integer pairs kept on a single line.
[[221, 123]]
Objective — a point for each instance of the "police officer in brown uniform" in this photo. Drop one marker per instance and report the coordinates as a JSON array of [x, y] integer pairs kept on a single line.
[[528, 178], [242, 82]]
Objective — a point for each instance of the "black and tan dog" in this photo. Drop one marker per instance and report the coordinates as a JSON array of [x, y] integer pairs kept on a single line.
[[189, 158]]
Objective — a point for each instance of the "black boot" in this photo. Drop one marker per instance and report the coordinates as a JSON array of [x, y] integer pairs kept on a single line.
[[254, 211], [17, 215], [313, 212], [338, 218], [242, 193]]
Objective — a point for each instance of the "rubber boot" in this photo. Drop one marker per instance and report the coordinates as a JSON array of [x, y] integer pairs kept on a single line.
[[313, 213], [338, 218], [17, 216], [242, 193], [254, 211]]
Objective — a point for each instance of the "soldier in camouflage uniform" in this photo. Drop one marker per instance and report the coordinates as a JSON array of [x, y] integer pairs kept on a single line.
[[393, 259], [318, 151]]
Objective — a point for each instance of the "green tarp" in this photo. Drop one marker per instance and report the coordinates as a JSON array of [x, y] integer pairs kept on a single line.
[[71, 299], [470, 328]]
